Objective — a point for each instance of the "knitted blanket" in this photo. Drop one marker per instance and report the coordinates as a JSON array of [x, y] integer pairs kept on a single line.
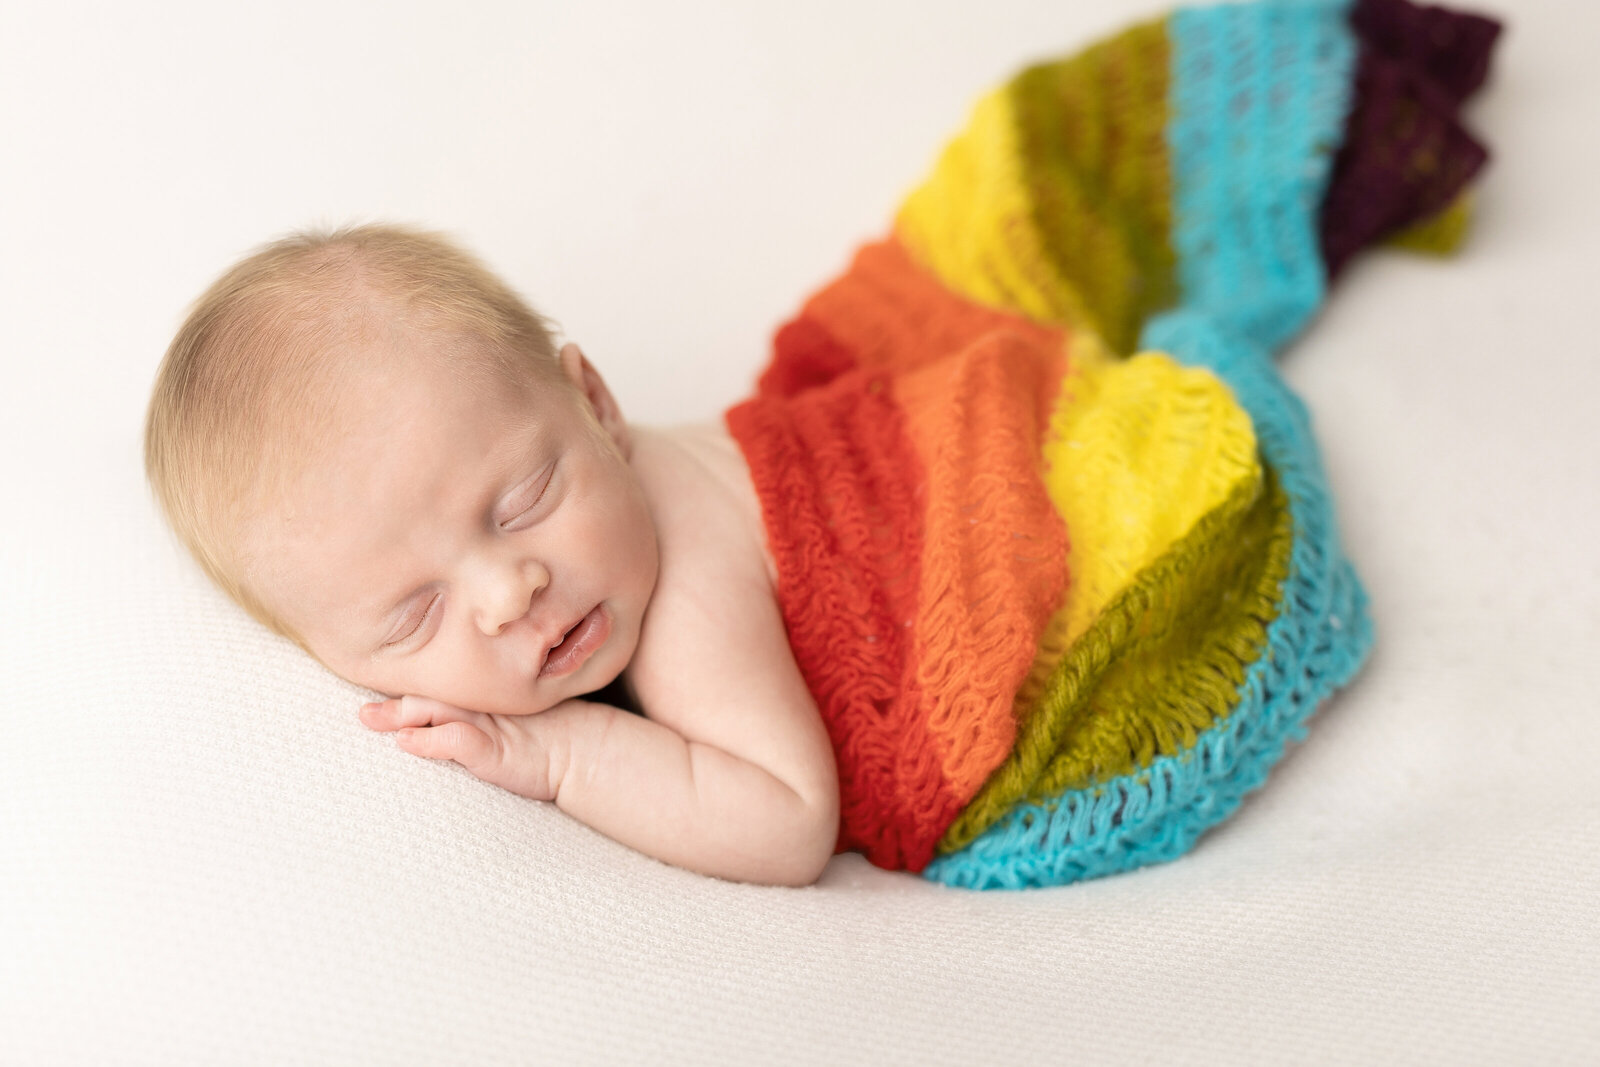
[[1055, 549]]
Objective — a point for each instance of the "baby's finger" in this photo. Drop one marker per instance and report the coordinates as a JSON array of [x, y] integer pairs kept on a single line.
[[385, 715], [397, 713], [459, 741]]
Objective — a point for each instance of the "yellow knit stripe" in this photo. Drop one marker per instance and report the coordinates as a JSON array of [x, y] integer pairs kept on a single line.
[[1138, 451], [1053, 201], [971, 223]]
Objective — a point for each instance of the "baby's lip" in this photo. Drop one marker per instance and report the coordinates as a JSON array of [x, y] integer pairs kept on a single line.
[[549, 644], [554, 638]]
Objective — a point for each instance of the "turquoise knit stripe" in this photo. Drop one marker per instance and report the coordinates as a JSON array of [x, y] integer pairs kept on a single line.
[[1258, 98], [1249, 171]]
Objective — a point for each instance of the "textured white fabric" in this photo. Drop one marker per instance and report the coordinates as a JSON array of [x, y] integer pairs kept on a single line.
[[205, 859]]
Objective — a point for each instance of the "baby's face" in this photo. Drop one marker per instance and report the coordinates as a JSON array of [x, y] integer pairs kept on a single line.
[[486, 546]]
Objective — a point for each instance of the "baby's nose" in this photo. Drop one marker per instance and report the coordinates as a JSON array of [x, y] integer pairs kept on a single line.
[[507, 595]]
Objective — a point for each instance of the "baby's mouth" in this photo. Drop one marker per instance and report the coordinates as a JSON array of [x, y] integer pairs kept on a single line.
[[577, 643]]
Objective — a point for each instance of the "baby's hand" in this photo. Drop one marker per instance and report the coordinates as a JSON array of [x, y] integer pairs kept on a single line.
[[503, 750]]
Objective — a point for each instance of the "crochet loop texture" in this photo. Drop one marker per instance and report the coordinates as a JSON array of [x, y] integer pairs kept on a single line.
[[1056, 553]]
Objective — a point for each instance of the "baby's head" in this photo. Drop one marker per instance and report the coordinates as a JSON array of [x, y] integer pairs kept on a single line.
[[370, 443]]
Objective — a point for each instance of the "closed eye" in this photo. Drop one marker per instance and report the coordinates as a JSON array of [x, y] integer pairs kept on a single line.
[[416, 628], [530, 497]]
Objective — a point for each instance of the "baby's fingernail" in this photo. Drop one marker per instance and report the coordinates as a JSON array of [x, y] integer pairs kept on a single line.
[[405, 735]]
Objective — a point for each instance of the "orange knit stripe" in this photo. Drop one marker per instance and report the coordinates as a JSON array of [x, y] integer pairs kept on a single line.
[[992, 570], [884, 314]]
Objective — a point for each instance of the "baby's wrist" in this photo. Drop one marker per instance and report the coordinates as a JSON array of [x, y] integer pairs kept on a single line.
[[571, 737]]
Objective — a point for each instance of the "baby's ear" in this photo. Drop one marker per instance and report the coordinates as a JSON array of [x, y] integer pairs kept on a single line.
[[581, 373]]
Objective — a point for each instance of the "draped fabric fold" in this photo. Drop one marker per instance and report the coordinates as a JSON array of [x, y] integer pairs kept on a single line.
[[1056, 553]]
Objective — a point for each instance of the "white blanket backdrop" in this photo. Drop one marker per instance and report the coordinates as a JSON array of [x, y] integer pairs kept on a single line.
[[204, 858]]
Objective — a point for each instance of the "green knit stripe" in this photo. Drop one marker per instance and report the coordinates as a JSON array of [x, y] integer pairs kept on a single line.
[[1092, 133], [1179, 670]]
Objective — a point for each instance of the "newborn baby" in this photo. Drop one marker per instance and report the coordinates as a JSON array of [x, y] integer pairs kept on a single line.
[[372, 444]]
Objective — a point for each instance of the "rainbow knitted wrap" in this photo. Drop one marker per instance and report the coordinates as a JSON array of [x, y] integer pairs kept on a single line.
[[1055, 549]]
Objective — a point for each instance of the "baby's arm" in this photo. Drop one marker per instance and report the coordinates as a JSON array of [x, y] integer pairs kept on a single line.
[[732, 775]]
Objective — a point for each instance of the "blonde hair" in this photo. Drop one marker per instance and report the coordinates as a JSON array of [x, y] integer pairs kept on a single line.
[[243, 394]]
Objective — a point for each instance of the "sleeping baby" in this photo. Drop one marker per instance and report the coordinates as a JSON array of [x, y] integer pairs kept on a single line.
[[373, 445], [1018, 567]]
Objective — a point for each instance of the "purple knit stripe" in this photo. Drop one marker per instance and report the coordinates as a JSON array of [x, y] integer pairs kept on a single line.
[[1405, 154]]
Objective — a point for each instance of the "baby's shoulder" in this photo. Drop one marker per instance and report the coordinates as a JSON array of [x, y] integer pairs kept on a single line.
[[714, 615], [707, 514]]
